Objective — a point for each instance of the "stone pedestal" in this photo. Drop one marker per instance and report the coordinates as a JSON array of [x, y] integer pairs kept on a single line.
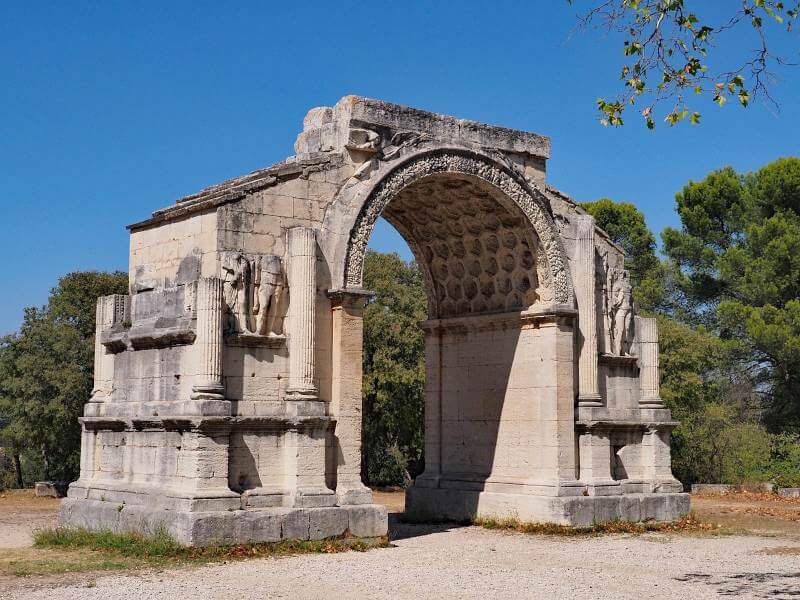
[[596, 457]]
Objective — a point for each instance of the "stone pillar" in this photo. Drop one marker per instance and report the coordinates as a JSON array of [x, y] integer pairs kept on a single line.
[[588, 391], [302, 267], [202, 468], [556, 331], [111, 310], [595, 460], [208, 384], [88, 460], [434, 333], [347, 308], [304, 448], [657, 460], [647, 333]]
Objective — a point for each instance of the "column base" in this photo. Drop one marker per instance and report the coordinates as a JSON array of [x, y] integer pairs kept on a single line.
[[210, 391], [651, 403], [295, 394], [603, 487], [311, 497], [352, 493], [590, 400]]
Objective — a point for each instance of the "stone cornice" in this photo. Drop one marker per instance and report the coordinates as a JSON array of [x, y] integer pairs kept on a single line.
[[535, 315], [195, 423], [357, 297], [369, 112], [237, 188]]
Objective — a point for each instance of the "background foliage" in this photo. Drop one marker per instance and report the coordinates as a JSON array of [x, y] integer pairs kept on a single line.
[[46, 375], [394, 371]]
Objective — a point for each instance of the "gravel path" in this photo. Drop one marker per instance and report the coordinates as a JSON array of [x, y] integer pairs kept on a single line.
[[470, 562]]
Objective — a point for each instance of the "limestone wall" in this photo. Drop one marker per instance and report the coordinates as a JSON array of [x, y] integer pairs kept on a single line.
[[173, 252]]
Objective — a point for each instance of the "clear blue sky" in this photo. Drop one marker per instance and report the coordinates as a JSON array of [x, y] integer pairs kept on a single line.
[[108, 112]]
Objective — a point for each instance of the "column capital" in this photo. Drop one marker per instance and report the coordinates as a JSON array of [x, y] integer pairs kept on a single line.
[[350, 297]]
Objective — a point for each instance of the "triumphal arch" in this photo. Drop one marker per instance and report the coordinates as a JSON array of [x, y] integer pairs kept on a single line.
[[227, 397]]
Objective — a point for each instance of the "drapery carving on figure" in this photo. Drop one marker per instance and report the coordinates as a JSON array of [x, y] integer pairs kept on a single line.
[[253, 287], [602, 299], [620, 312], [268, 288]]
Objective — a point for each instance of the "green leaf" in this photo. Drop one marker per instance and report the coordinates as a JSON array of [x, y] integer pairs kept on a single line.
[[744, 97]]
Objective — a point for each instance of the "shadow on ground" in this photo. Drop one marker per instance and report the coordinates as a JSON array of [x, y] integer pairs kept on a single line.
[[752, 585], [399, 530]]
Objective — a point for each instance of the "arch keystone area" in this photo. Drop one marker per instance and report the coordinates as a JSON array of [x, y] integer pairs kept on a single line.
[[541, 396]]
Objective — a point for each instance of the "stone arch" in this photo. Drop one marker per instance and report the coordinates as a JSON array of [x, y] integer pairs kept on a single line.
[[509, 189]]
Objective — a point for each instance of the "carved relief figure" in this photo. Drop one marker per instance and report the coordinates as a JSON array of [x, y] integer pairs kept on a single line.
[[604, 323], [267, 294], [235, 268], [543, 293], [363, 144], [252, 291], [620, 312]]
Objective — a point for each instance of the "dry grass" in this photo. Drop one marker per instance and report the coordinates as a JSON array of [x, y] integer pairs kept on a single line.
[[687, 524], [759, 504], [66, 550], [745, 496]]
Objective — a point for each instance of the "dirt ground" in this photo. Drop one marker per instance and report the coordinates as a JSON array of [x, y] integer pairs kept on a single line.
[[757, 513], [447, 561], [20, 513]]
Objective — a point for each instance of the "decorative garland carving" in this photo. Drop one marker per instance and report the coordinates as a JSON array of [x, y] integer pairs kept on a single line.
[[453, 161]]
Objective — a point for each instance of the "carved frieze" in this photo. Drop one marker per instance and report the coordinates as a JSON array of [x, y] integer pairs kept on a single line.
[[253, 288], [615, 306], [554, 275]]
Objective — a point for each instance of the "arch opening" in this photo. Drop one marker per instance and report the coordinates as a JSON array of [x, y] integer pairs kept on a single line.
[[488, 358], [493, 185]]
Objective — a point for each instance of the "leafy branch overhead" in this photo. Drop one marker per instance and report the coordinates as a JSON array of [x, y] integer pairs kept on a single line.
[[673, 56]]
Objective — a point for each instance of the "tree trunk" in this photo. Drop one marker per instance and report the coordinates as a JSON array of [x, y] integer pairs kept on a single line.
[[46, 461], [18, 470]]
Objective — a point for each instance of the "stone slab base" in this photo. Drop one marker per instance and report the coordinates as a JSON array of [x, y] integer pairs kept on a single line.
[[437, 504], [365, 521]]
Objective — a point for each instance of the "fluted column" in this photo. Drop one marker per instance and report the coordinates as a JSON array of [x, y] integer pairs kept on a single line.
[[302, 272], [647, 334], [208, 383], [588, 392], [110, 310]]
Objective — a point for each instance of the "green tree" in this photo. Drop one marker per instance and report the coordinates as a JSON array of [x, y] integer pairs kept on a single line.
[[719, 438], [713, 215], [736, 259], [671, 53], [394, 370], [626, 226], [46, 373]]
